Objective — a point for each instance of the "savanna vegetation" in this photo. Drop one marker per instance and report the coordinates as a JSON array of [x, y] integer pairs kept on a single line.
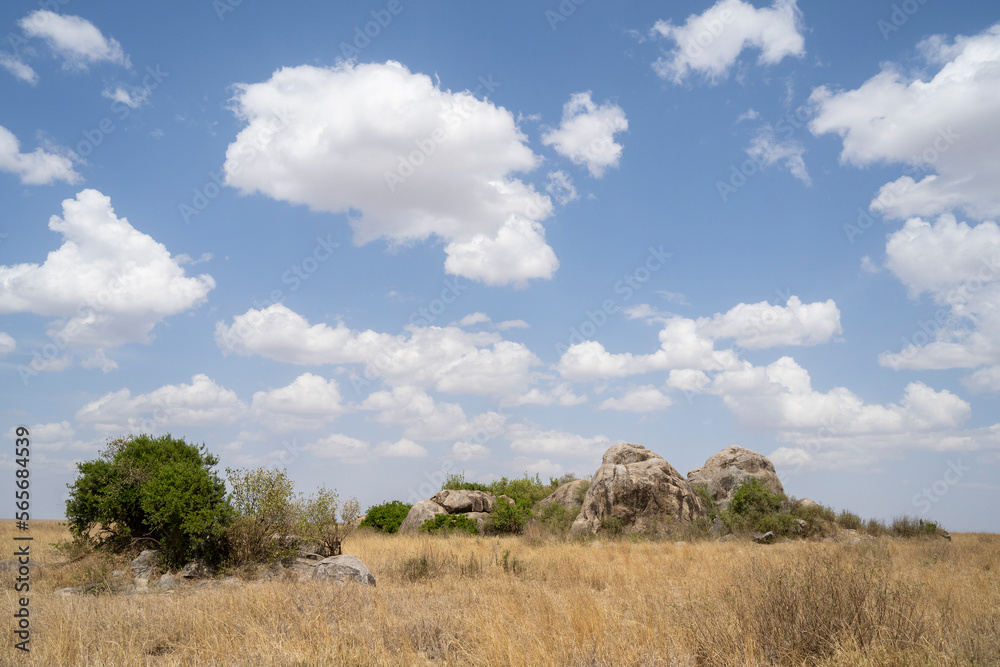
[[522, 592]]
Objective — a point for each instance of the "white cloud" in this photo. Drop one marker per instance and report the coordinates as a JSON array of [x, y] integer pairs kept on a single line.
[[780, 397], [512, 324], [517, 253], [133, 98], [339, 446], [757, 326], [447, 358], [690, 344], [766, 149], [959, 266], [646, 398], [711, 42], [423, 417], [532, 440], [474, 318], [403, 158], [37, 168], [560, 186], [469, 451], [944, 128], [18, 68], [76, 40], [562, 394], [7, 344], [108, 283], [402, 448], [586, 135], [52, 437], [868, 266], [201, 403], [310, 401]]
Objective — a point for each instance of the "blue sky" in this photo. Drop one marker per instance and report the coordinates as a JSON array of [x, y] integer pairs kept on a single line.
[[379, 243]]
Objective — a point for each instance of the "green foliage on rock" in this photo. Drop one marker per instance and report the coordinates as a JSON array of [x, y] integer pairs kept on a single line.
[[707, 500], [150, 492], [447, 523], [387, 517]]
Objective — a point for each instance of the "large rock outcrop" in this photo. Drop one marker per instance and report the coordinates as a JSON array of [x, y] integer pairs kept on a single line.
[[475, 505], [726, 471], [641, 490]]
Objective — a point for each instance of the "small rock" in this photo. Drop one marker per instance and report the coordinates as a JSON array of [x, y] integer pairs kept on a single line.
[[344, 568], [167, 581], [763, 538], [142, 565], [230, 581], [680, 544], [196, 569]]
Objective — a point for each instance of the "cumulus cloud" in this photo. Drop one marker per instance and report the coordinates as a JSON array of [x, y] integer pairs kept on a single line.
[[447, 358], [201, 403], [690, 344], [403, 448], [422, 416], [76, 40], [310, 401], [959, 266], [339, 446], [756, 326], [18, 68], [403, 158], [532, 440], [108, 284], [646, 398], [586, 135], [766, 149], [711, 42], [469, 451], [943, 128], [37, 168]]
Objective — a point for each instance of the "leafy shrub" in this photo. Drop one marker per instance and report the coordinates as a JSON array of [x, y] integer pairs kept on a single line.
[[556, 518], [387, 517], [811, 513], [849, 520], [265, 514], [316, 518], [161, 491], [754, 497], [446, 523], [507, 518]]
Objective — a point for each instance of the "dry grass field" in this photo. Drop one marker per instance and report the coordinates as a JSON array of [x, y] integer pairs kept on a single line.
[[529, 600]]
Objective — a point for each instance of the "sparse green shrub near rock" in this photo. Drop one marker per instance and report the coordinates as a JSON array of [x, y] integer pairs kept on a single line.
[[556, 518], [707, 500], [323, 518], [810, 513], [446, 523], [849, 520], [387, 517], [150, 492], [754, 507], [265, 514], [612, 525]]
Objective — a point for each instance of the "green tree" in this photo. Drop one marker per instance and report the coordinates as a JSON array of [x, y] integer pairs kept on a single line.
[[146, 491], [317, 518], [263, 501]]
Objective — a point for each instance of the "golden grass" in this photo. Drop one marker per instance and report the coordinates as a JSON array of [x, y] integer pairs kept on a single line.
[[530, 601]]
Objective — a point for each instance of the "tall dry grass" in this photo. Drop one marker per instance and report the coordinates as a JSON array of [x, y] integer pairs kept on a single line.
[[465, 600]]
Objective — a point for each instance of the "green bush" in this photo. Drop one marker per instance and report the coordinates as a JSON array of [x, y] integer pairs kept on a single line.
[[387, 517], [447, 523], [145, 491], [612, 525], [507, 518], [849, 520], [755, 498], [811, 513]]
